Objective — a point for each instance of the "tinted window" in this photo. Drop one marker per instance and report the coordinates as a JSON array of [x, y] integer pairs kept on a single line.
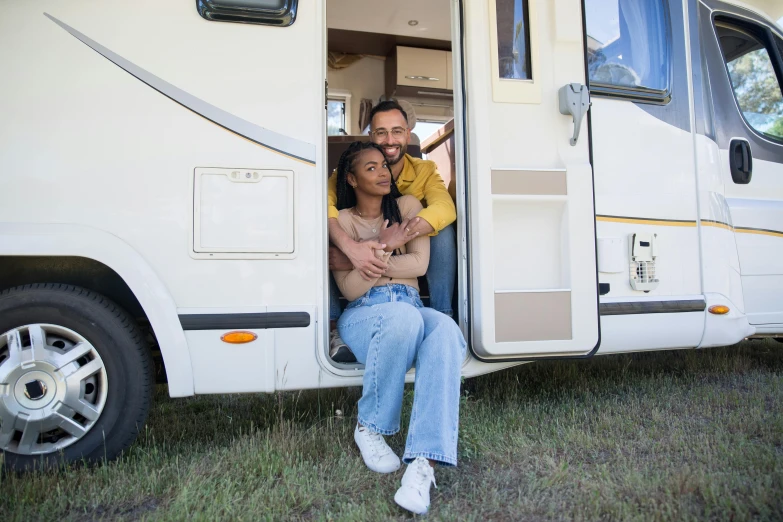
[[513, 40], [753, 79], [628, 44]]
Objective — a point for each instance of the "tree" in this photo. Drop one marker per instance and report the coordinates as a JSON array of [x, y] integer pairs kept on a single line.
[[757, 90], [776, 130]]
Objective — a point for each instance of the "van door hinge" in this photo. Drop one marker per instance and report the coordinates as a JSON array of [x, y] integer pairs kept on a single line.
[[326, 94]]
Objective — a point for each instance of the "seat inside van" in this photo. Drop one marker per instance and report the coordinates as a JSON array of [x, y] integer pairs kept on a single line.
[[336, 145]]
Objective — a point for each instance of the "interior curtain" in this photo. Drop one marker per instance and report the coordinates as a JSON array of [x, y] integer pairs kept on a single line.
[[642, 20], [365, 106], [635, 33]]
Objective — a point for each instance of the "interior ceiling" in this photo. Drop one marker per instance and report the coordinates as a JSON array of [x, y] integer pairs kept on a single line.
[[378, 44], [391, 17]]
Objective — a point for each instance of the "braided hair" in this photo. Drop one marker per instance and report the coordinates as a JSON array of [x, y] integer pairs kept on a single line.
[[346, 196]]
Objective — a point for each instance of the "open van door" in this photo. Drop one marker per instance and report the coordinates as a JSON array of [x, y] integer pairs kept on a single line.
[[531, 212]]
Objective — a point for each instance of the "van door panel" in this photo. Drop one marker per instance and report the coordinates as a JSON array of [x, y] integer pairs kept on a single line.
[[532, 229], [643, 153]]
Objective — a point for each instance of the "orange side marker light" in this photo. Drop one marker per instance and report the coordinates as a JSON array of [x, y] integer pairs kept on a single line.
[[718, 309], [239, 337]]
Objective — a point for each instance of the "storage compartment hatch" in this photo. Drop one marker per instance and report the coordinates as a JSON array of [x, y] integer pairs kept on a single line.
[[243, 211]]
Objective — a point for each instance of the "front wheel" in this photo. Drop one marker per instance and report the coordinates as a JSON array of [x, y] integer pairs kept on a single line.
[[75, 377]]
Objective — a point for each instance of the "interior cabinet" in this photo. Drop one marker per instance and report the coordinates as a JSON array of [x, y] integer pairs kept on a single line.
[[412, 71]]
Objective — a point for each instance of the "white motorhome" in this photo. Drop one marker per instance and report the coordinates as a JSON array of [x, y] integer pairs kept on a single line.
[[617, 167]]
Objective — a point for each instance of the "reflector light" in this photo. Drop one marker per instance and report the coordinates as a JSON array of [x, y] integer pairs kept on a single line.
[[239, 337], [718, 309]]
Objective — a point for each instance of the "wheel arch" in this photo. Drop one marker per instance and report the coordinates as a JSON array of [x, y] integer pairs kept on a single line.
[[102, 262]]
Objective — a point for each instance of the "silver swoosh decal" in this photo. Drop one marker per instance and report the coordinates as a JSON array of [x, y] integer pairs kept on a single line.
[[291, 147]]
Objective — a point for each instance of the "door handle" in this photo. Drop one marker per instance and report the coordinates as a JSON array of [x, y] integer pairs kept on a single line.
[[745, 158], [740, 161], [574, 100]]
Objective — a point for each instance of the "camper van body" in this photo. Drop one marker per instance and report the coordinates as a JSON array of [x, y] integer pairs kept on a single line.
[[176, 164]]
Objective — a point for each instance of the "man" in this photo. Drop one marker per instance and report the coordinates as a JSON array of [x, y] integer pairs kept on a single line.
[[419, 178]]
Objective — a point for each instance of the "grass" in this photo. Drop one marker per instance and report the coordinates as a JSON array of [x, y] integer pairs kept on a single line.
[[659, 436]]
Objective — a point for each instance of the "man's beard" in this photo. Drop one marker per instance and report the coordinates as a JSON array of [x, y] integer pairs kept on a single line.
[[393, 161]]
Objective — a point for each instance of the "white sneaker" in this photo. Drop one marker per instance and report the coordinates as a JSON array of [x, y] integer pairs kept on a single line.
[[378, 456], [414, 494]]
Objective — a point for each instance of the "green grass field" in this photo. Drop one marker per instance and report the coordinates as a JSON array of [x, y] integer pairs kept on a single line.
[[659, 436]]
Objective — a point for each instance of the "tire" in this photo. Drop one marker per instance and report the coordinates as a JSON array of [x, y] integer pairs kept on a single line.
[[78, 377]]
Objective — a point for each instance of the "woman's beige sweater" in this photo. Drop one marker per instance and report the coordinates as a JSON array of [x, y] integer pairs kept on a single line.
[[403, 268]]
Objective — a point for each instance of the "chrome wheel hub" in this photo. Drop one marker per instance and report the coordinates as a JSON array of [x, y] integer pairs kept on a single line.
[[53, 388]]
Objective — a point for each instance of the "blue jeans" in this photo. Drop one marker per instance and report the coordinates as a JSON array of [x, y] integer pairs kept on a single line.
[[442, 270], [390, 331], [334, 299], [441, 275]]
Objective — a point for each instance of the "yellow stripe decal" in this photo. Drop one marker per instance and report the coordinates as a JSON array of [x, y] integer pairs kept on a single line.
[[680, 223], [645, 221], [760, 231], [716, 224]]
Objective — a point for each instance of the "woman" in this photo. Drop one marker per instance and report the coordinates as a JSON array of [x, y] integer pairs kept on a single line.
[[389, 330]]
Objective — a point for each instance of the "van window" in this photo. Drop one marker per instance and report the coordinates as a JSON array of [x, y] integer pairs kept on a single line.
[[264, 12], [628, 48], [753, 80], [335, 118], [513, 40], [426, 128]]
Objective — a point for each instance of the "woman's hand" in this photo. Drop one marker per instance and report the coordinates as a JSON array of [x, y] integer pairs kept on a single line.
[[396, 235]]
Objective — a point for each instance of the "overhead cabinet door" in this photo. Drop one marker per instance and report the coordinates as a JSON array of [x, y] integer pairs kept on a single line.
[[530, 183]]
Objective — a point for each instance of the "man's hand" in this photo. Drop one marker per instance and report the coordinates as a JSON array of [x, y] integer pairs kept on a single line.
[[338, 260], [362, 257], [396, 235], [399, 234]]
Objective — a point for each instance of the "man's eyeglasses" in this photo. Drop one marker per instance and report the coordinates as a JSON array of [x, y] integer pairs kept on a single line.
[[396, 132]]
